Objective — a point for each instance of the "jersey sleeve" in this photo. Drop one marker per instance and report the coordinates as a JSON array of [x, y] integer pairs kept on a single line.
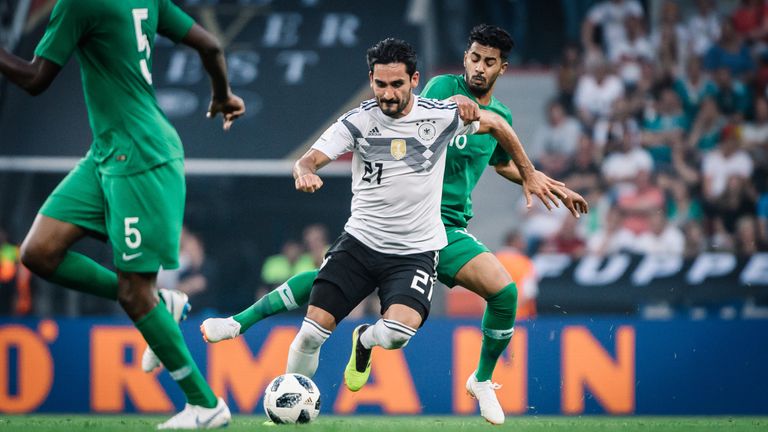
[[69, 23], [440, 87], [335, 141], [172, 22], [467, 129]]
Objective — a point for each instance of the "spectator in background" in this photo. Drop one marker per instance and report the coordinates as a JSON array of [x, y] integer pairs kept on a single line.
[[584, 173], [632, 53], [566, 240], [762, 218], [520, 268], [596, 92], [731, 95], [281, 267], [664, 127], [316, 241], [626, 160], [726, 171], [567, 76], [670, 40], [191, 275], [682, 208], [704, 27], [613, 128], [610, 17], [730, 52], [747, 236], [692, 87], [662, 238], [640, 204], [754, 134], [556, 140], [695, 239], [707, 127], [750, 20], [15, 289], [612, 237]]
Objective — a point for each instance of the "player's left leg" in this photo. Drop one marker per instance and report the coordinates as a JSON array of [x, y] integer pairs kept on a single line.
[[467, 262], [405, 289]]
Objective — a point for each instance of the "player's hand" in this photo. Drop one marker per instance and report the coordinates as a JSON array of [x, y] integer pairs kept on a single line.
[[575, 203], [469, 111], [230, 109], [545, 188], [309, 183]]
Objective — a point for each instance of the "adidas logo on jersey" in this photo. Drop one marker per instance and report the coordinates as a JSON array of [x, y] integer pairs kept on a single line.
[[374, 131]]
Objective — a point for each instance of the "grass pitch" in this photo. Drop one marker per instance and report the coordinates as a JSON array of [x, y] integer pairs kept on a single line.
[[124, 423]]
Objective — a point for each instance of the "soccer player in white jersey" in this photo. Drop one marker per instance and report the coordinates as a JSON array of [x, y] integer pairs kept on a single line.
[[391, 239]]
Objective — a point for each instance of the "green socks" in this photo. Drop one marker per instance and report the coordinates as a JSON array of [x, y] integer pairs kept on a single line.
[[288, 296], [83, 274], [498, 327], [163, 335]]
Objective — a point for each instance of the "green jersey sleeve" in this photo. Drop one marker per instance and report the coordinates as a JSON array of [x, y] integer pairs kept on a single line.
[[173, 22], [441, 87], [69, 23]]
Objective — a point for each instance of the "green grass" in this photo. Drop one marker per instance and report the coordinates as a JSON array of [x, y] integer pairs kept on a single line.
[[98, 423]]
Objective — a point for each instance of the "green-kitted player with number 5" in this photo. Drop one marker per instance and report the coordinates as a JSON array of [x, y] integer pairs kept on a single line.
[[129, 187]]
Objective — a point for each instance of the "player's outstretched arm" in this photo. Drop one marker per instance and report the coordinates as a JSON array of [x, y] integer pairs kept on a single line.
[[305, 170], [34, 77], [573, 201], [212, 55], [533, 182]]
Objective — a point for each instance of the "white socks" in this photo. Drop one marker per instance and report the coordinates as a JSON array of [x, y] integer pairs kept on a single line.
[[388, 334], [304, 353]]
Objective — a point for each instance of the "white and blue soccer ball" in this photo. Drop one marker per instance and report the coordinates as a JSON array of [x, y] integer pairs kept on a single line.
[[292, 398]]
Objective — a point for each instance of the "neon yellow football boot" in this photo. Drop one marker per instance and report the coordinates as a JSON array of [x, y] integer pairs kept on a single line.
[[359, 367]]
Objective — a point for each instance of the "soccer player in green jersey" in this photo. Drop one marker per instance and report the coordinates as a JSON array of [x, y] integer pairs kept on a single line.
[[464, 261], [130, 186]]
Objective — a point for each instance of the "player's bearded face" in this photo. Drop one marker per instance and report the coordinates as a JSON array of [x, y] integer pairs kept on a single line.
[[482, 66], [392, 87]]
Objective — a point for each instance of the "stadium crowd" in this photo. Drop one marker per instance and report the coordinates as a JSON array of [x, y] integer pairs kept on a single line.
[[665, 131]]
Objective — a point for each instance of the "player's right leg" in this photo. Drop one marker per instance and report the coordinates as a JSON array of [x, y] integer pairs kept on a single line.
[[143, 218], [291, 295], [405, 289], [341, 284]]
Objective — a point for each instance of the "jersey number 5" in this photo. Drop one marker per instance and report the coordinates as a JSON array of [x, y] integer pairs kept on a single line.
[[140, 15]]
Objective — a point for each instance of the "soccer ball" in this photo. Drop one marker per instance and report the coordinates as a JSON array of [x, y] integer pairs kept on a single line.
[[292, 398]]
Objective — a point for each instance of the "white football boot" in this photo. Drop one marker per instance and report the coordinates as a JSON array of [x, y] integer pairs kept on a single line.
[[197, 417], [178, 306], [485, 393], [219, 329]]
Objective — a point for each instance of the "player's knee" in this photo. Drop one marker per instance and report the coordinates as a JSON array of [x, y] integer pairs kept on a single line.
[[310, 338], [505, 301], [395, 334], [38, 257]]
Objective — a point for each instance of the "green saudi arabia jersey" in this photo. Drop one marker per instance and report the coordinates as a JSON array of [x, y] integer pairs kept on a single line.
[[114, 40], [467, 155]]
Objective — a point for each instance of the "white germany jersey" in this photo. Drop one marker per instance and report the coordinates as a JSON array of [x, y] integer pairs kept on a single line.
[[397, 172]]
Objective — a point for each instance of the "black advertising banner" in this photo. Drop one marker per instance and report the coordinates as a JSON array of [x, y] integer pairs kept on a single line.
[[296, 63], [622, 282]]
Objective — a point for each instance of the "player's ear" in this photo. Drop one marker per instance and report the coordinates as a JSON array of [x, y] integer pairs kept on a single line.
[[415, 80], [370, 78], [503, 68]]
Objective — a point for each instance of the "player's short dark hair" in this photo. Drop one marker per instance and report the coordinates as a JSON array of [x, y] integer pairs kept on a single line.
[[492, 36], [391, 50]]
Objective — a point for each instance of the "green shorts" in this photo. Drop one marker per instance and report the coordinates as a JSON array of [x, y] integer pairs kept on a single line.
[[140, 214], [462, 247]]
